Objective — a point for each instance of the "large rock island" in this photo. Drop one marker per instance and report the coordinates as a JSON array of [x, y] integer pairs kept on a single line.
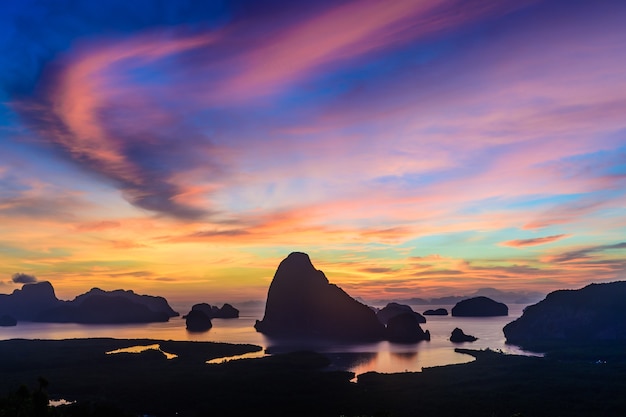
[[38, 302], [595, 313], [301, 303], [479, 307], [26, 303]]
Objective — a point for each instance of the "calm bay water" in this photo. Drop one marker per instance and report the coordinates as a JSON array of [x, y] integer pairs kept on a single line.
[[359, 358]]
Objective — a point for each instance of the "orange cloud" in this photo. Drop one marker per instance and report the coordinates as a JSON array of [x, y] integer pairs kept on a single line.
[[98, 225]]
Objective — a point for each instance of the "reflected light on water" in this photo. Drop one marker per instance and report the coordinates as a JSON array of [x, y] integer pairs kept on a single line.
[[62, 401], [388, 361], [139, 349], [250, 355]]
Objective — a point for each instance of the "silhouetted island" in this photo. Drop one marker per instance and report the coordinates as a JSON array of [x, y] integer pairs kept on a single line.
[[26, 303], [595, 313], [198, 321], [479, 307], [38, 302], [458, 336], [405, 328], [301, 303], [392, 310], [436, 312], [214, 312]]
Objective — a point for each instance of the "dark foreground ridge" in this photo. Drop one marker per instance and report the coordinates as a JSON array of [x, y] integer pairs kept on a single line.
[[296, 384], [302, 304], [595, 313], [38, 302]]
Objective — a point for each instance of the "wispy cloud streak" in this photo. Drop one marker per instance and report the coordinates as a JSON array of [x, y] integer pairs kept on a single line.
[[534, 241]]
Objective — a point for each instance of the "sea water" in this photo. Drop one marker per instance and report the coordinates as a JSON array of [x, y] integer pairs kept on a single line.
[[383, 356]]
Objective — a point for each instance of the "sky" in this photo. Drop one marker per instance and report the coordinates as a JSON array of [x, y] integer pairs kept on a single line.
[[416, 148]]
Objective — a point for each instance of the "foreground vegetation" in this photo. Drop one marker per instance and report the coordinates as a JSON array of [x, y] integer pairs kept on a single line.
[[296, 384]]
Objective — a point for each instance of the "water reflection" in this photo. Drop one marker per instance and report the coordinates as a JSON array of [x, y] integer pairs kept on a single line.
[[404, 355], [139, 349], [359, 358], [62, 401], [250, 355]]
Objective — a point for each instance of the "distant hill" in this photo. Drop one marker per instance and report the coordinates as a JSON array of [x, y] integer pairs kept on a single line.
[[507, 297], [38, 302]]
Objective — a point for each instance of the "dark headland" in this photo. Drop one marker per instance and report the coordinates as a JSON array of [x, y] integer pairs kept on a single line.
[[595, 314]]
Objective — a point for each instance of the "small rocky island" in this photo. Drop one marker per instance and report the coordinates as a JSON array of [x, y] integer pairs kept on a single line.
[[200, 316], [436, 312], [392, 310], [227, 311], [458, 336], [302, 304], [479, 307], [404, 328], [595, 313], [38, 302], [198, 321]]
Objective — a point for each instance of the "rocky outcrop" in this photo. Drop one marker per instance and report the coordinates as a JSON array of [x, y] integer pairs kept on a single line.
[[38, 302], [458, 336], [302, 304], [214, 312], [7, 321], [26, 303], [594, 313], [436, 312], [405, 328], [479, 307], [394, 309], [198, 321], [227, 312]]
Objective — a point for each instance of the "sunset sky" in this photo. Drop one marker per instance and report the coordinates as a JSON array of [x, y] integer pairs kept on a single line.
[[412, 148]]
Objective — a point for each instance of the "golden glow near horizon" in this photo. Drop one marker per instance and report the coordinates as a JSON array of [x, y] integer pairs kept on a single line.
[[418, 149]]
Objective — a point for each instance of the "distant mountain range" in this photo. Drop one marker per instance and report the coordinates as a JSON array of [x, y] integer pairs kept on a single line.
[[507, 297], [38, 302]]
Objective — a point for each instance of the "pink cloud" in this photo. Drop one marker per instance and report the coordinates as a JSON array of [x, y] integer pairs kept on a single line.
[[345, 32], [534, 241]]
